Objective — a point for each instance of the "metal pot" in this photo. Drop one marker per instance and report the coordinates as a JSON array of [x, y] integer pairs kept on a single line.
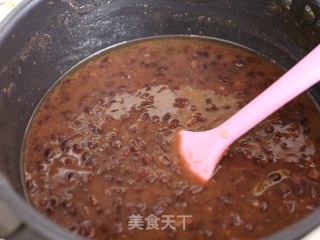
[[42, 39]]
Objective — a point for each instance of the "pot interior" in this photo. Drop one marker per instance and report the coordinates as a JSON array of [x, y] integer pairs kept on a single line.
[[35, 53]]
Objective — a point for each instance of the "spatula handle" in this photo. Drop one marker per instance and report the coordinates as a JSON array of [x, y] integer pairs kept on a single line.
[[298, 79]]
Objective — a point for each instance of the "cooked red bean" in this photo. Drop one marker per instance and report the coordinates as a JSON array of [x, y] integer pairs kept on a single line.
[[110, 152]]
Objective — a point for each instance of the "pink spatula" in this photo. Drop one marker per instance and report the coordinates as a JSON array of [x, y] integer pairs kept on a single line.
[[202, 151]]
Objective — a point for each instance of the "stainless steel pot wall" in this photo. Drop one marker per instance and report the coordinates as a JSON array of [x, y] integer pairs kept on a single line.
[[42, 39]]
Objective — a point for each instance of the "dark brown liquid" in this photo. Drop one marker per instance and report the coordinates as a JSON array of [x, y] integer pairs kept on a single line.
[[98, 150]]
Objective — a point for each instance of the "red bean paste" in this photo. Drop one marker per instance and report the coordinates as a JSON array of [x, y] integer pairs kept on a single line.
[[98, 156]]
